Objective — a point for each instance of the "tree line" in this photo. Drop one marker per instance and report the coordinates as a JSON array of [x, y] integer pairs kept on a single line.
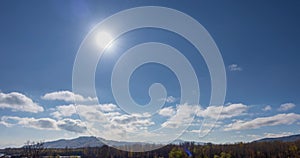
[[274, 149]]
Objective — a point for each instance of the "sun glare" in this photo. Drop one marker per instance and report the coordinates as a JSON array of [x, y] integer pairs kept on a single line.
[[104, 40]]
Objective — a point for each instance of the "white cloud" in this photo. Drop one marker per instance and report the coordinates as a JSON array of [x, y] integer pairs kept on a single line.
[[41, 123], [64, 111], [234, 67], [91, 112], [267, 108], [269, 135], [170, 99], [108, 107], [72, 125], [131, 123], [19, 102], [184, 114], [286, 106], [67, 96], [194, 131], [274, 135], [198, 131], [229, 111], [168, 111], [279, 119], [109, 116], [117, 126], [254, 136]]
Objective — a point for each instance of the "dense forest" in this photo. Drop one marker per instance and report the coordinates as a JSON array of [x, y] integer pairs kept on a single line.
[[274, 149]]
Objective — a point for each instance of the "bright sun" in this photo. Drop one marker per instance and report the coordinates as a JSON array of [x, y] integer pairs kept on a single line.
[[104, 40]]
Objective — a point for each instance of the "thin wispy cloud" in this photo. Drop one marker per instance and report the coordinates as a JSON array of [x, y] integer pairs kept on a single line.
[[169, 99], [279, 119], [269, 135], [274, 135], [67, 96], [234, 67]]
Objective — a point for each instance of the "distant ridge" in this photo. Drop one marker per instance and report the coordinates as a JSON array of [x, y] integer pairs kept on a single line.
[[180, 141], [86, 141], [290, 138], [79, 142], [91, 141]]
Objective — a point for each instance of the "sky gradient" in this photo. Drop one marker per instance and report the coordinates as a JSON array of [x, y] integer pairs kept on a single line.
[[259, 43]]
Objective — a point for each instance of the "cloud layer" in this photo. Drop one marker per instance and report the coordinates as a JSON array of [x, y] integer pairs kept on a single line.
[[110, 122], [44, 123]]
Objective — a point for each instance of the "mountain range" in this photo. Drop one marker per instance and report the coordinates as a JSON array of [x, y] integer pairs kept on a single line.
[[90, 141], [74, 143], [86, 141]]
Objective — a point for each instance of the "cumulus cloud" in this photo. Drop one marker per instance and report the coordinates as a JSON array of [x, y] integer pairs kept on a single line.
[[64, 111], [19, 102], [168, 111], [115, 125], [110, 117], [108, 107], [67, 96], [267, 108], [228, 111], [286, 107], [72, 125], [279, 119], [91, 113], [131, 123], [184, 114], [41, 123], [234, 67]]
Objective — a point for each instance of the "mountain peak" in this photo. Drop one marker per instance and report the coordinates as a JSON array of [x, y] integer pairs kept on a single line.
[[80, 142]]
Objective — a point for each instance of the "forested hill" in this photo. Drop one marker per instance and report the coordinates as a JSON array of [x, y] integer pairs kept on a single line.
[[282, 139], [79, 142]]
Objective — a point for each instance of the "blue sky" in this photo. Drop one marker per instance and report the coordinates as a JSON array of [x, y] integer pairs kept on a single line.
[[259, 43]]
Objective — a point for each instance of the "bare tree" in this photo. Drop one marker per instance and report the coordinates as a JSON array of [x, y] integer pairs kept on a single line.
[[33, 149]]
